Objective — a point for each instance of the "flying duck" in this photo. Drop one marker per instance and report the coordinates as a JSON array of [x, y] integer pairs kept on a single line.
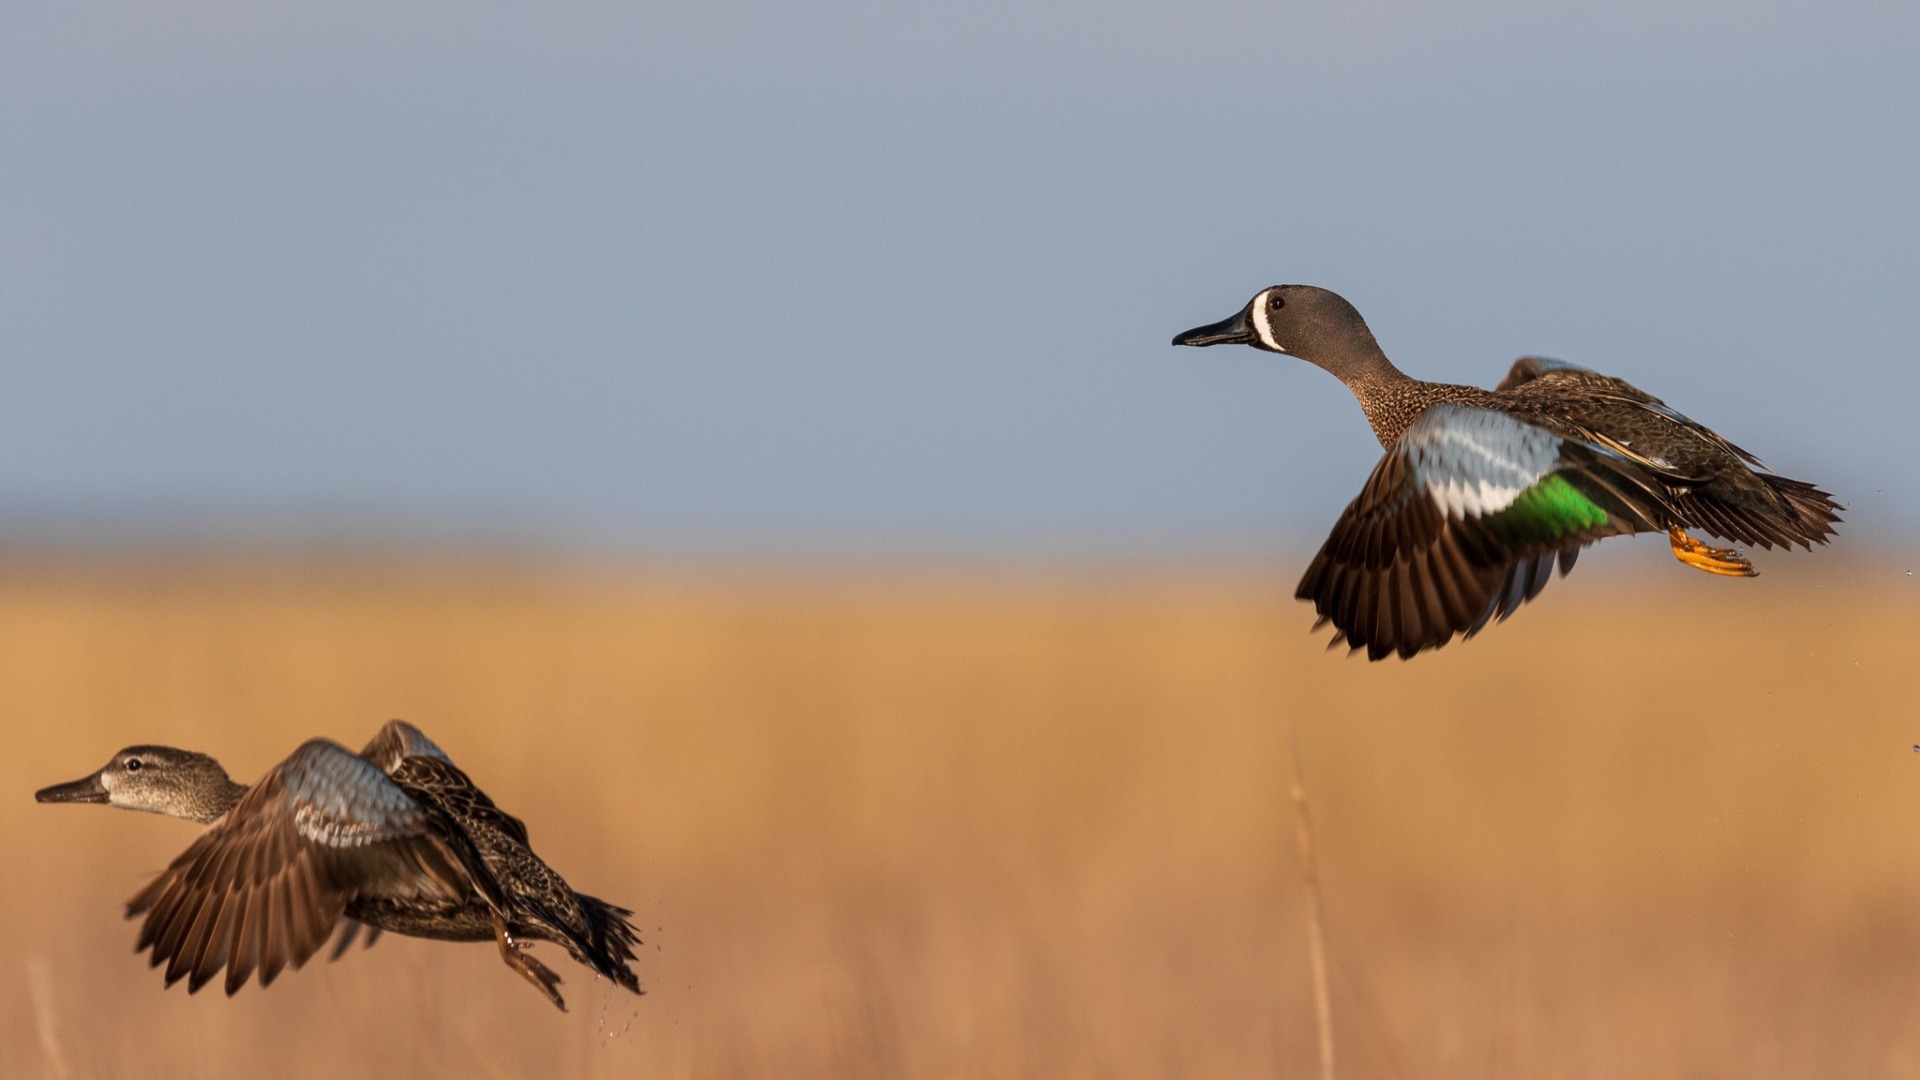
[[1481, 492], [395, 838]]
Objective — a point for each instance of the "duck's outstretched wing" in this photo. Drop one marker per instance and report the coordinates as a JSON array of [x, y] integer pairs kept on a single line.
[[1461, 522], [262, 889], [1714, 484], [1557, 379]]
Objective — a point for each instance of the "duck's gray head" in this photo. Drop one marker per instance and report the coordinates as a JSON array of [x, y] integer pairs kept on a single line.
[[157, 779], [1311, 323]]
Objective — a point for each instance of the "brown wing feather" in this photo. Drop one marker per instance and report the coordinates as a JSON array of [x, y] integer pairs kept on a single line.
[[1398, 575], [1394, 575], [263, 889], [1721, 488]]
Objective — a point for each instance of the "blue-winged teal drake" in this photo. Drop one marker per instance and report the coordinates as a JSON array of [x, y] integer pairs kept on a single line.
[[1482, 491], [392, 838]]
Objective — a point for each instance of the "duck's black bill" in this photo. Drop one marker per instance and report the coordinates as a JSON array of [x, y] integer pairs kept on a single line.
[[87, 790], [1233, 331]]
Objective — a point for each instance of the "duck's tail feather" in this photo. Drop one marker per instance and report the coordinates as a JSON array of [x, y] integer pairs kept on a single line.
[[1815, 512], [1783, 513], [611, 941]]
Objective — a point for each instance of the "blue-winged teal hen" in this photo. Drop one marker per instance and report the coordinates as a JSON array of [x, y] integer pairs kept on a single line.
[[1482, 491], [393, 838]]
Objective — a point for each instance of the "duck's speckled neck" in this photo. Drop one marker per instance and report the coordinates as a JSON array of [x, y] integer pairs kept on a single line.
[[1393, 400], [210, 803]]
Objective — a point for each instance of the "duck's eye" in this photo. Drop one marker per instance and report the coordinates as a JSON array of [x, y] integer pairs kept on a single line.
[[133, 764], [1275, 303]]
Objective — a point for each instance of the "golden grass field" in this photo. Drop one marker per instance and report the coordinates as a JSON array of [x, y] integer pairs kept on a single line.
[[900, 824]]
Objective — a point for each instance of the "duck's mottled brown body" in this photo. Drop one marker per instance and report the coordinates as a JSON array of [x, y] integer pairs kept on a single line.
[[536, 902]]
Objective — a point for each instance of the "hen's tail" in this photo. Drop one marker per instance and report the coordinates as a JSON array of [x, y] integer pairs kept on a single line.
[[610, 941]]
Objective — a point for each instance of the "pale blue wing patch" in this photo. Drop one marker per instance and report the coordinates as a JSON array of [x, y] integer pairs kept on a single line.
[[340, 800], [1475, 462]]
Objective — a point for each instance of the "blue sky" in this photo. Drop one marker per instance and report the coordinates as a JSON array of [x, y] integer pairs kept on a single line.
[[865, 277]]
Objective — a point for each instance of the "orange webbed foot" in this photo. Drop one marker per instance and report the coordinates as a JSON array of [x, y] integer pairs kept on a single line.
[[1698, 554]]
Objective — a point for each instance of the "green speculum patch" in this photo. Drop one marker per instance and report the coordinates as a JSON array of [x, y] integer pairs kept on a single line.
[[1549, 509]]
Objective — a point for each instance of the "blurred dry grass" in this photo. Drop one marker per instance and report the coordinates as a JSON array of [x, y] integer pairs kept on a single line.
[[1006, 826]]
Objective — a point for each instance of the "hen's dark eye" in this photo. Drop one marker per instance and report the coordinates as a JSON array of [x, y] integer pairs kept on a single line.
[[133, 764]]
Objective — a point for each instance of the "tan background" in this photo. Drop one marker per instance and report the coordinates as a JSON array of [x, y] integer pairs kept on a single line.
[[1015, 824]]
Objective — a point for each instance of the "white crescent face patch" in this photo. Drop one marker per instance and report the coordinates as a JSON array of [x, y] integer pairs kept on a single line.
[[1262, 328]]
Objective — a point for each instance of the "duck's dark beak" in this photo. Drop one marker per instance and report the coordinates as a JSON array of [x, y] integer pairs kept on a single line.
[[1234, 331], [86, 789]]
